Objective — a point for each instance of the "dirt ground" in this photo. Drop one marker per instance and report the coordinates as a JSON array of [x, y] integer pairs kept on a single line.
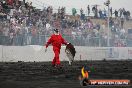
[[43, 75]]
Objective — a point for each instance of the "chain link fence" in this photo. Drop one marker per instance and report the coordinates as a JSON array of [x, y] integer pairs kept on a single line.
[[26, 39]]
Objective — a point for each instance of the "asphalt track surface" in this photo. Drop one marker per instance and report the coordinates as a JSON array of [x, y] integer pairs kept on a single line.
[[43, 75]]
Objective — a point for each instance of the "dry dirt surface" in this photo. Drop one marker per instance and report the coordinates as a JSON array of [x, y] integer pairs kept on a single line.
[[43, 75]]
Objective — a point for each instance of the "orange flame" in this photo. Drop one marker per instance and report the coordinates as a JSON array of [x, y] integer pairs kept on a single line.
[[84, 73]]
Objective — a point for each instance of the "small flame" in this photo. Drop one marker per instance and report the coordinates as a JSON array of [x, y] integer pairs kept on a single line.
[[84, 73]]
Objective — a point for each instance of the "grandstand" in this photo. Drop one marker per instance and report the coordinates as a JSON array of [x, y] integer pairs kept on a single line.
[[26, 25], [24, 29]]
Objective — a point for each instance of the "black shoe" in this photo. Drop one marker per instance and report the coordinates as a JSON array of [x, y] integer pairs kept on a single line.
[[58, 66], [53, 65]]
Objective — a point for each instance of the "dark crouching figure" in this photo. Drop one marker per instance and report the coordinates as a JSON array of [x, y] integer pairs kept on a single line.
[[70, 52]]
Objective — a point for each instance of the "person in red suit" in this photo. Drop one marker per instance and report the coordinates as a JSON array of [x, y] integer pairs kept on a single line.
[[56, 40]]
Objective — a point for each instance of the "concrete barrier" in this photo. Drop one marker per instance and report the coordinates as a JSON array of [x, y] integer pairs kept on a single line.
[[1, 52], [37, 53]]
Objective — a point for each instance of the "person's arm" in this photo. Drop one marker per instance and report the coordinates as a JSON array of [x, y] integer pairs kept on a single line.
[[64, 41], [49, 42]]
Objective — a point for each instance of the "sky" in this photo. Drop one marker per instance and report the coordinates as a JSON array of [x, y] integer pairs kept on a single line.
[[78, 4]]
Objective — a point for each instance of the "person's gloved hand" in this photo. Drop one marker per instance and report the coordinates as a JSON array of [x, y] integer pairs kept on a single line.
[[68, 43], [45, 49]]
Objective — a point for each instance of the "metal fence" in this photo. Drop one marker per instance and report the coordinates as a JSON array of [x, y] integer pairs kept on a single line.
[[26, 39]]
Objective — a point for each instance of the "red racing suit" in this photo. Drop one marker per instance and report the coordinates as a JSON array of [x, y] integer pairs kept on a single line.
[[56, 41]]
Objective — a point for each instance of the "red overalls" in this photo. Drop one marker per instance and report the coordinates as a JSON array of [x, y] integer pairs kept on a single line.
[[56, 41]]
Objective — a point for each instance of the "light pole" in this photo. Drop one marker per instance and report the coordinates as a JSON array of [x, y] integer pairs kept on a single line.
[[107, 3]]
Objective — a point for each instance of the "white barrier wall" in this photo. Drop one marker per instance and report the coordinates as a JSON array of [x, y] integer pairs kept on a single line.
[[37, 53], [1, 53]]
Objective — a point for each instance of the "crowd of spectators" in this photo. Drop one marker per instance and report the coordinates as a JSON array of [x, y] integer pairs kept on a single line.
[[103, 13], [23, 24]]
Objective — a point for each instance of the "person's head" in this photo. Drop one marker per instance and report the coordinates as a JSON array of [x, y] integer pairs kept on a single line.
[[56, 31], [86, 69]]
